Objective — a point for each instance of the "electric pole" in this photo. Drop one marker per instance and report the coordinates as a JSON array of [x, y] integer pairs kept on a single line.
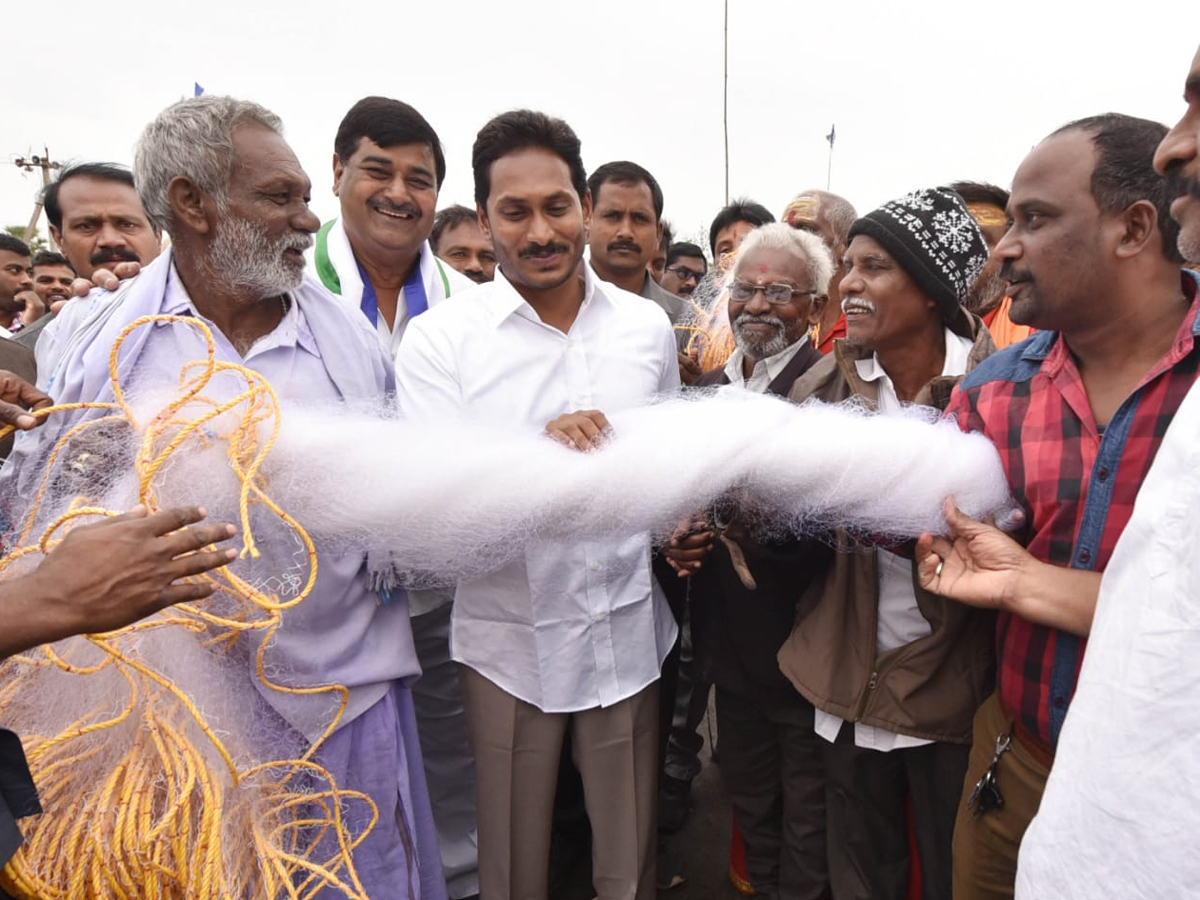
[[37, 162]]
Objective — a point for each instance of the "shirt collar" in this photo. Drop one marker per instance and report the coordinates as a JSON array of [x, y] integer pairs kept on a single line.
[[774, 364], [292, 330], [958, 350], [1053, 353], [506, 302]]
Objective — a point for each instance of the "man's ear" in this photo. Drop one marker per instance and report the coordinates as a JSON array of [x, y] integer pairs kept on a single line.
[[339, 169], [192, 206], [486, 228], [817, 308], [586, 203], [1139, 226]]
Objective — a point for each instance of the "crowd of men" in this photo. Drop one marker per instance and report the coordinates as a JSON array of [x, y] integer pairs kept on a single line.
[[883, 705]]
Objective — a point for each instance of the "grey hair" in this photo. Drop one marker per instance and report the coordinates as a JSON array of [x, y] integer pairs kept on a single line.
[[782, 236], [838, 210], [192, 138]]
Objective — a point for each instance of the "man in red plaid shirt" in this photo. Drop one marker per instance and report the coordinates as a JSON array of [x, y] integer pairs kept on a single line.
[[1077, 413]]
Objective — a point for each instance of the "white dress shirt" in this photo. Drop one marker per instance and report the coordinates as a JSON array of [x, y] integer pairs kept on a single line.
[[765, 370], [566, 627], [899, 621]]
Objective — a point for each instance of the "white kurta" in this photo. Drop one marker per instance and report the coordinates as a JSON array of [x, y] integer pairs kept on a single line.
[[1122, 807]]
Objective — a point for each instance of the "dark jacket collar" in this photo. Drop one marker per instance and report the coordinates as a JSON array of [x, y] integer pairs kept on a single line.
[[805, 357]]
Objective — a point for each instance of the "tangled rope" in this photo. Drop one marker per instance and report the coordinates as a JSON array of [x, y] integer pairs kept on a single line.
[[710, 340], [180, 813]]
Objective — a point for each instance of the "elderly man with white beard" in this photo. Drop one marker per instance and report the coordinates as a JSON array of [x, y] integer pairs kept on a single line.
[[217, 174], [770, 753]]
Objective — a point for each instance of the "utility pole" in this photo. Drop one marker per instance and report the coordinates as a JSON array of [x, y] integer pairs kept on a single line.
[[831, 137], [37, 162], [726, 103]]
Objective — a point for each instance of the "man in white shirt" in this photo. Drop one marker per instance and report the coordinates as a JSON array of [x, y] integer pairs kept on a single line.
[[570, 635], [219, 177], [388, 166]]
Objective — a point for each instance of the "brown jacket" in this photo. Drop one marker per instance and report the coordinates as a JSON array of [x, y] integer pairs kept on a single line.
[[929, 688]]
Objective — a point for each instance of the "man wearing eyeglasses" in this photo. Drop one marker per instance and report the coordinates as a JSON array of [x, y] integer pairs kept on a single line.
[[895, 672], [770, 753], [685, 268]]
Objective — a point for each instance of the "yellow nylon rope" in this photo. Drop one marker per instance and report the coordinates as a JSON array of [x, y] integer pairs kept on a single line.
[[176, 817], [711, 339]]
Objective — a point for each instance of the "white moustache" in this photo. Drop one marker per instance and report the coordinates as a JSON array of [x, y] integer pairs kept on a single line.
[[849, 303], [745, 318]]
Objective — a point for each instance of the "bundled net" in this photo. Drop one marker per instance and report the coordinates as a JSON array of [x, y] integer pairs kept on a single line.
[[148, 745], [709, 335], [474, 496]]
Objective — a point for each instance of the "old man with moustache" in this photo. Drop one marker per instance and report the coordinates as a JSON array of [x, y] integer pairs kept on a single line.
[[217, 174], [770, 753], [895, 672]]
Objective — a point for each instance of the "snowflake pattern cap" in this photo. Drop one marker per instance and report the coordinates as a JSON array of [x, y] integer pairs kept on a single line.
[[931, 234]]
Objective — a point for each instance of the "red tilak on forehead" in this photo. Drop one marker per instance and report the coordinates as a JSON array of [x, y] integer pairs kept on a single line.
[[762, 270]]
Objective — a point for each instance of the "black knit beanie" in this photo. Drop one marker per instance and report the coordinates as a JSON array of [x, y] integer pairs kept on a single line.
[[931, 234]]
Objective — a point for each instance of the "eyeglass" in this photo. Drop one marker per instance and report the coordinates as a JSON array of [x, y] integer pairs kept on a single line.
[[777, 294], [683, 273]]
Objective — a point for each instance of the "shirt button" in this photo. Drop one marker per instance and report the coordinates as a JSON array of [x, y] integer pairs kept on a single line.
[[599, 617], [1059, 703], [1102, 475], [595, 566], [1085, 556]]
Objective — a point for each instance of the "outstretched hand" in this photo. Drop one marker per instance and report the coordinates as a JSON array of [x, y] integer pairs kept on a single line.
[[105, 575], [977, 563]]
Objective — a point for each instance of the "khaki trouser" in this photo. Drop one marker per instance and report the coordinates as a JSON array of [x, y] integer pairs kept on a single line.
[[517, 750], [985, 848]]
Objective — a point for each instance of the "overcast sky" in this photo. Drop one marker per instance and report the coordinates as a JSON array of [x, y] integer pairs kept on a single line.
[[921, 93]]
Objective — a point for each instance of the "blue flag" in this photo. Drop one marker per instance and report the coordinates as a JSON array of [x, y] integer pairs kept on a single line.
[[199, 90]]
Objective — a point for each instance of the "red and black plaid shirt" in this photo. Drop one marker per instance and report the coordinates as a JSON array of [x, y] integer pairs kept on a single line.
[[1076, 482]]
